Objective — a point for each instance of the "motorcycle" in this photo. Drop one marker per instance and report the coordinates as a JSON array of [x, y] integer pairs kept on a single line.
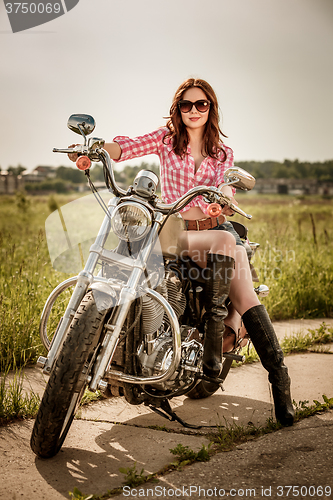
[[133, 325]]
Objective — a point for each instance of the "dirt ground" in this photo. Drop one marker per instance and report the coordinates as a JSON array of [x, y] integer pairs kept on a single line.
[[111, 434]]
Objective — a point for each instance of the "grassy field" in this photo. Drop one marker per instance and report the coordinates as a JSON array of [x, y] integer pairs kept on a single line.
[[27, 277], [295, 260]]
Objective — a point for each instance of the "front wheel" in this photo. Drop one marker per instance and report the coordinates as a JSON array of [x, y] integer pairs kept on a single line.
[[204, 389], [67, 381]]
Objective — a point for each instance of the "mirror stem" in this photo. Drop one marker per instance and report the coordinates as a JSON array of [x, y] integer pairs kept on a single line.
[[82, 133]]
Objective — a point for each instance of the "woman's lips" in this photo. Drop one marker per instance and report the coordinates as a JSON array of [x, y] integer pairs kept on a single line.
[[194, 119]]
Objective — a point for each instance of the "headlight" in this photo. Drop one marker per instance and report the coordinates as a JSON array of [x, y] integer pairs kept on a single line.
[[130, 221]]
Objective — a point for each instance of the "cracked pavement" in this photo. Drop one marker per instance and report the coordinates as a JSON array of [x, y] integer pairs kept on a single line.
[[110, 434]]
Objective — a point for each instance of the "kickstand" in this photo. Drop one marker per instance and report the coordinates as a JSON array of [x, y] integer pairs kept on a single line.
[[166, 411]]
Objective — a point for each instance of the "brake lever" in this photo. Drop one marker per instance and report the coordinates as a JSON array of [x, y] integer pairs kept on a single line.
[[80, 149], [239, 211], [225, 200]]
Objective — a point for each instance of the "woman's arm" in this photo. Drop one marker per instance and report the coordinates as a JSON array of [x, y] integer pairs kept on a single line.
[[124, 148], [113, 149]]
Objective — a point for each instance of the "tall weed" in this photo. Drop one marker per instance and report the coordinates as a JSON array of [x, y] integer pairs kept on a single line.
[[296, 255], [26, 279], [14, 402]]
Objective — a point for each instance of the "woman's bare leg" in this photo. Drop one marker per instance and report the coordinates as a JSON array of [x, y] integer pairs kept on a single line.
[[242, 293], [201, 243]]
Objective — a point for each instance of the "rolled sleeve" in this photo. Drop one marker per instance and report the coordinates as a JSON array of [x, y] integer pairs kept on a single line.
[[140, 146]]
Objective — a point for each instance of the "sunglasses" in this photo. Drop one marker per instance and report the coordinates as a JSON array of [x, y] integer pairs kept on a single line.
[[202, 106]]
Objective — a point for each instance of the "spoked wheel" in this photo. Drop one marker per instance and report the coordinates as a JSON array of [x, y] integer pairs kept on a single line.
[[204, 389], [67, 381]]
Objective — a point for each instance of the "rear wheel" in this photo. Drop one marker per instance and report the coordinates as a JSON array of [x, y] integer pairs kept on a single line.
[[67, 381], [204, 389]]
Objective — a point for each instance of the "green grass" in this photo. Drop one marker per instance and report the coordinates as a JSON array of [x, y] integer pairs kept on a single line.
[[313, 340], [296, 255], [14, 402], [26, 278], [295, 264]]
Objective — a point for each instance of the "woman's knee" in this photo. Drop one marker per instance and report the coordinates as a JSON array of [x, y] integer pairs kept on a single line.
[[241, 254], [222, 242]]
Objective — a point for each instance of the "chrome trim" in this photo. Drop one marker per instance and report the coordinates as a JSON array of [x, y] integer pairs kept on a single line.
[[262, 290], [131, 205], [83, 281], [55, 294], [48, 307], [176, 340]]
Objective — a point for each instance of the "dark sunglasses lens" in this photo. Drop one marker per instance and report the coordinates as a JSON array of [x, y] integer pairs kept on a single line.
[[185, 106], [202, 106]]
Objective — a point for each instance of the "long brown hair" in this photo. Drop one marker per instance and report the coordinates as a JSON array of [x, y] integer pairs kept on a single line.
[[212, 134]]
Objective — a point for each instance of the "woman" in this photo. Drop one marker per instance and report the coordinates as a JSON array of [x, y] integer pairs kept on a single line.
[[192, 153]]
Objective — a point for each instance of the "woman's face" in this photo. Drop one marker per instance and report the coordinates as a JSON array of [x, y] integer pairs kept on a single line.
[[194, 119]]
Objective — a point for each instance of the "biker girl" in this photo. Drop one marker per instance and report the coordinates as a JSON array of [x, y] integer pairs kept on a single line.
[[192, 153]]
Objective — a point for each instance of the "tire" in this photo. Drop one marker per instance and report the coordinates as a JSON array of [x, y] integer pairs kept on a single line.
[[65, 387], [204, 389]]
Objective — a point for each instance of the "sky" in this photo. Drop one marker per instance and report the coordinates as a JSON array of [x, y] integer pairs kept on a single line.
[[269, 61]]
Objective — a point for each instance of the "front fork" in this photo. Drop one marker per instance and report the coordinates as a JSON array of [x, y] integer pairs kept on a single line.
[[116, 322], [85, 278], [80, 290], [114, 327]]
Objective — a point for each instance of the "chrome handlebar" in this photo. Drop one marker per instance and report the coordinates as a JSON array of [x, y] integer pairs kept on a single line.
[[213, 194]]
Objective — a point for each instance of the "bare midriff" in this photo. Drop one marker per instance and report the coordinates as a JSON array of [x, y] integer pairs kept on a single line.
[[194, 213]]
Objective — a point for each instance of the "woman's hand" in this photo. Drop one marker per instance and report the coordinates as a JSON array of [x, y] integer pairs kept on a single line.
[[227, 190], [73, 156], [227, 210]]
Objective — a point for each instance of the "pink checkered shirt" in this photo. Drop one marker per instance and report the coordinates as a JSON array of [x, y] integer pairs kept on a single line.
[[177, 176]]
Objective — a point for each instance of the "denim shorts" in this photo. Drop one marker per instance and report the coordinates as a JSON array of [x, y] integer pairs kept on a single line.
[[227, 226]]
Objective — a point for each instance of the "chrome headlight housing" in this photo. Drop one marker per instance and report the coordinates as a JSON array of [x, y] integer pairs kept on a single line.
[[131, 221]]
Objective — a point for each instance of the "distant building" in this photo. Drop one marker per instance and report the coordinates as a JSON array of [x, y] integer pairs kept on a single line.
[[39, 174], [9, 183], [293, 186]]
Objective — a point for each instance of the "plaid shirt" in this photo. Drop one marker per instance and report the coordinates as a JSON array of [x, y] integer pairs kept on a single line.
[[177, 175]]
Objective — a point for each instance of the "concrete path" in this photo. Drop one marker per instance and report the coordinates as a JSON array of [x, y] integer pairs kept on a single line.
[[97, 446]]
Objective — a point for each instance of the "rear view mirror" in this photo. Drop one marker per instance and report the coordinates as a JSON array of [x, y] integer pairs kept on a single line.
[[239, 178], [81, 124]]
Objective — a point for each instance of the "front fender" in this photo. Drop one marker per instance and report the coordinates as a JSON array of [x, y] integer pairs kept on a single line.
[[104, 295]]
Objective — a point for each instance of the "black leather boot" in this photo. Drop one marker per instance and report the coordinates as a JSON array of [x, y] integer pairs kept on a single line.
[[218, 275], [264, 339]]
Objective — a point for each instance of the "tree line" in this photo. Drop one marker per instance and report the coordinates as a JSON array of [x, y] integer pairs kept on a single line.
[[67, 178], [320, 171]]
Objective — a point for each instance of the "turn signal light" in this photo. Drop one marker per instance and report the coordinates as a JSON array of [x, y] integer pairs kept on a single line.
[[214, 210], [83, 163]]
